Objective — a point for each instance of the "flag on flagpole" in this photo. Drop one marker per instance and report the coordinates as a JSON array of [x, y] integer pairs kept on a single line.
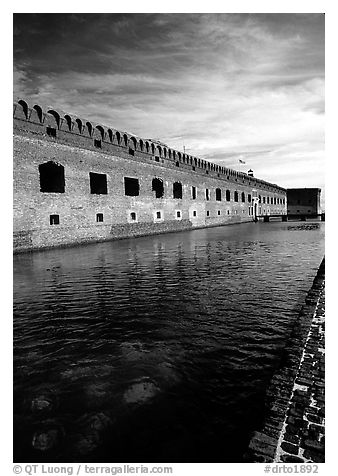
[[241, 161]]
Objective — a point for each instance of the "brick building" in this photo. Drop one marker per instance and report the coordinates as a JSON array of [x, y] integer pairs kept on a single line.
[[303, 202], [76, 181]]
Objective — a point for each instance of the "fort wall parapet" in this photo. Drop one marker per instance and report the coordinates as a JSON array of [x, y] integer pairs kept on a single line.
[[85, 134]]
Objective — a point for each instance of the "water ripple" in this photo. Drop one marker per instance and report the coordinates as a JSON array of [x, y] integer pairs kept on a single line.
[[159, 347]]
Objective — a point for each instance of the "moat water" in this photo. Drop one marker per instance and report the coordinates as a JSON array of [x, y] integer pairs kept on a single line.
[[155, 349]]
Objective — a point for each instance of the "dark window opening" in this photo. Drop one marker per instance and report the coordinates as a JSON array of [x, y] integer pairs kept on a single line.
[[177, 190], [227, 196], [68, 121], [218, 212], [97, 143], [79, 125], [193, 192], [218, 194], [90, 128], [243, 197], [38, 111], [52, 178], [101, 131], [249, 197], [177, 164], [51, 131], [131, 187], [157, 187], [24, 107], [263, 199], [193, 167], [158, 215], [178, 214], [131, 151], [207, 171], [54, 219], [236, 196], [194, 213], [157, 159], [133, 216], [134, 141], [207, 197], [99, 217], [98, 183], [208, 213]]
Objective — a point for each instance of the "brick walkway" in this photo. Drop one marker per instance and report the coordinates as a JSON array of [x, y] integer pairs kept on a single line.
[[302, 437], [293, 430]]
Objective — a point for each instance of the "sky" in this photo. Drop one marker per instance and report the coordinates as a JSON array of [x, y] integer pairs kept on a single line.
[[225, 86]]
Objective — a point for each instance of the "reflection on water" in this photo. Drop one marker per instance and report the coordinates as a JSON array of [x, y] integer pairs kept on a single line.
[[157, 348]]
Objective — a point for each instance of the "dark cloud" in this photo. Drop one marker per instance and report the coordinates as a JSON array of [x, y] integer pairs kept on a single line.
[[227, 85]]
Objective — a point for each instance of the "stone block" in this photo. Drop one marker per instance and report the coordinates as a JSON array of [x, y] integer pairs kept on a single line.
[[290, 448]]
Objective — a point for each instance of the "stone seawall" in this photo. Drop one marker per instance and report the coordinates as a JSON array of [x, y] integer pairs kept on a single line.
[[293, 429]]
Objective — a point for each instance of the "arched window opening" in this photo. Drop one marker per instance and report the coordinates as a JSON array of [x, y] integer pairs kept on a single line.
[[141, 145], [38, 111], [157, 187], [179, 155], [152, 149], [118, 137], [125, 139], [110, 135], [164, 152], [101, 131], [147, 146], [79, 125], [218, 194], [56, 117], [52, 177], [227, 196], [159, 148], [69, 122], [134, 142], [259, 199], [243, 196], [89, 128], [174, 154], [24, 106], [249, 197], [177, 190], [236, 196]]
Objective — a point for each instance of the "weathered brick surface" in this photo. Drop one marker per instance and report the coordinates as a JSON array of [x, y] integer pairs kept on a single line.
[[299, 418], [77, 207]]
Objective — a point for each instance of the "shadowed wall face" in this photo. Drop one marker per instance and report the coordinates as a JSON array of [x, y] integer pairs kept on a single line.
[[303, 201]]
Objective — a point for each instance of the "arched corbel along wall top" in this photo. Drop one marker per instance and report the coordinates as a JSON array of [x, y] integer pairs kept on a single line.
[[64, 121]]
